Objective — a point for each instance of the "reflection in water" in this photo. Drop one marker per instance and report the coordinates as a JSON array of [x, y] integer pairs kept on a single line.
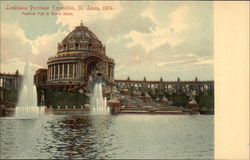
[[122, 136], [82, 136]]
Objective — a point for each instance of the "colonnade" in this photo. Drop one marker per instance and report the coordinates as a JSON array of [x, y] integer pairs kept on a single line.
[[9, 82], [200, 87], [63, 71]]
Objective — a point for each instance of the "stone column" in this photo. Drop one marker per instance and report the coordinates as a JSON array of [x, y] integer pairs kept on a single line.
[[63, 71], [54, 71], [77, 70], [51, 72], [54, 74], [48, 77], [73, 70], [3, 83], [48, 73], [57, 71], [58, 66], [68, 71], [64, 74]]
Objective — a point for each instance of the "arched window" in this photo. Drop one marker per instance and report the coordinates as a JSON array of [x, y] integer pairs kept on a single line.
[[90, 47], [76, 46], [65, 47]]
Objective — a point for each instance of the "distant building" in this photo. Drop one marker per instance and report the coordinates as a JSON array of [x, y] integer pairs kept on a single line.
[[40, 78], [9, 82]]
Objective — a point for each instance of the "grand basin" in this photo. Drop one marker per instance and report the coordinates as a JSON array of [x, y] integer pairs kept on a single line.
[[110, 136]]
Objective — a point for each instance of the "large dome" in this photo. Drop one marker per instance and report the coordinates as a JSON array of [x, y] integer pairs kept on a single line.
[[81, 39], [80, 33]]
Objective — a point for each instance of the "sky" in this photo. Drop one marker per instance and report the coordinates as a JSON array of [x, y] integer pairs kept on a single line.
[[146, 39]]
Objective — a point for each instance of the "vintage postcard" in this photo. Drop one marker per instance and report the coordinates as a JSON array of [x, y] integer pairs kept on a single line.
[[110, 80]]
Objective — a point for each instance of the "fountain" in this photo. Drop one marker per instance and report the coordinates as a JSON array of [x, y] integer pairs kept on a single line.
[[27, 100], [98, 103]]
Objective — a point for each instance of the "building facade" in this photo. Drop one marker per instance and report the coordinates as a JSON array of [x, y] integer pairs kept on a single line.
[[80, 57], [40, 77], [177, 87], [10, 81], [9, 84]]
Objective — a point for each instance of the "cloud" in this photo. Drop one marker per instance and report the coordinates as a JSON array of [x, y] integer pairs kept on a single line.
[[175, 62], [14, 44], [179, 19], [40, 45], [11, 65], [167, 33], [88, 16], [150, 39], [185, 55], [13, 31], [205, 61], [47, 43]]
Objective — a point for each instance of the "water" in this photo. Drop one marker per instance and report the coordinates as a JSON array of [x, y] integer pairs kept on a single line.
[[110, 136], [98, 103], [29, 112], [27, 99]]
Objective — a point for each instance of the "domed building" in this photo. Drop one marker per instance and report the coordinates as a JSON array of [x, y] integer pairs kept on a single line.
[[80, 57], [80, 60]]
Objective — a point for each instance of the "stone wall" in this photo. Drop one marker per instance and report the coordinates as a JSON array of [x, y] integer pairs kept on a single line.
[[203, 101], [55, 97]]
